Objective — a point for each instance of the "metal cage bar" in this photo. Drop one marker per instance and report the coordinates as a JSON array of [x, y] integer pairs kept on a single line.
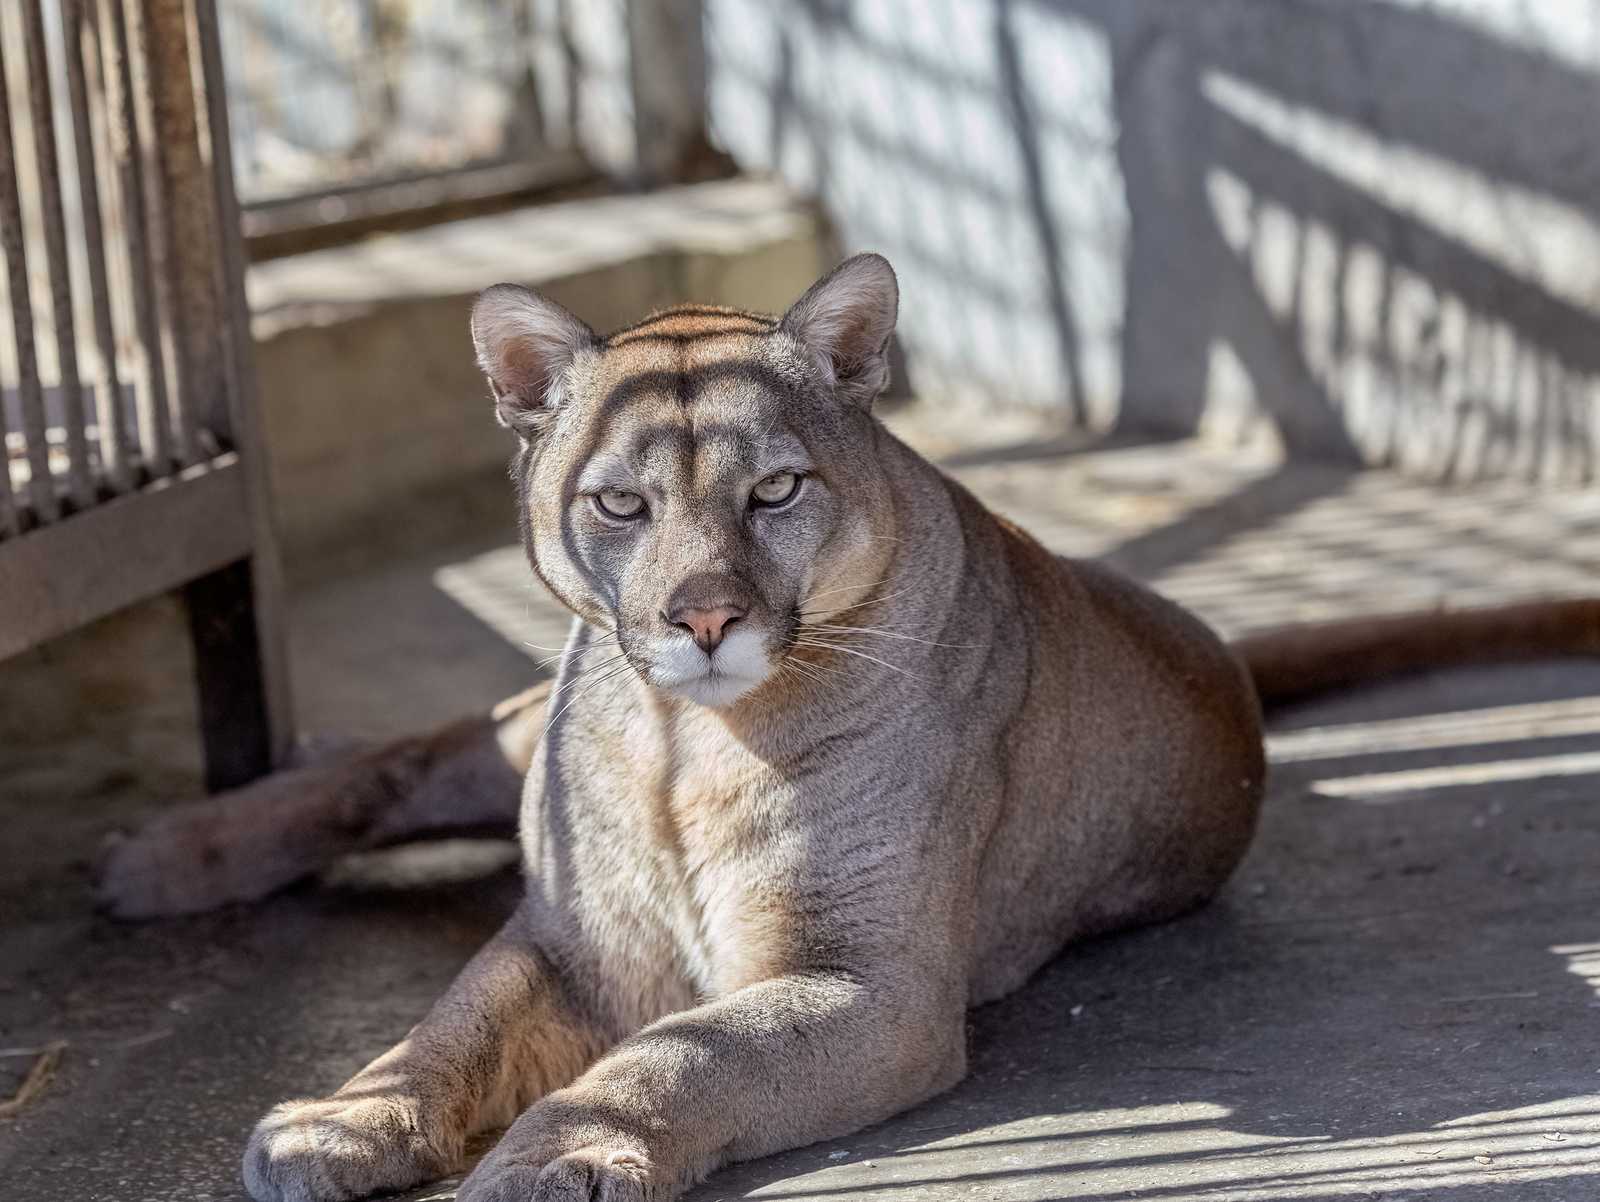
[[80, 37], [30, 391], [69, 390]]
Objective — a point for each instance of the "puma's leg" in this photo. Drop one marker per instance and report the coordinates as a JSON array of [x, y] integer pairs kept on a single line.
[[502, 1036], [778, 1064], [247, 842]]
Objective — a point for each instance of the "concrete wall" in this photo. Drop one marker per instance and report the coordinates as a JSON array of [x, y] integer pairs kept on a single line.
[[1378, 220], [96, 728], [975, 145]]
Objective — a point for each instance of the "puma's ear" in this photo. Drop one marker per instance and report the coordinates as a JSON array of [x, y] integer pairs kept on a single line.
[[845, 321], [524, 343]]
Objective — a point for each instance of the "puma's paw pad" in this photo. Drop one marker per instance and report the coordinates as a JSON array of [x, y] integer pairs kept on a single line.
[[338, 1149], [584, 1175]]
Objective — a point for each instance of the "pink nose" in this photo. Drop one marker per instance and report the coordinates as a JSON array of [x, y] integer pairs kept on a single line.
[[708, 626]]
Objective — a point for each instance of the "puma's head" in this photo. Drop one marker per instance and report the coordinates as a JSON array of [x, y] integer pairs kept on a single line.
[[702, 483]]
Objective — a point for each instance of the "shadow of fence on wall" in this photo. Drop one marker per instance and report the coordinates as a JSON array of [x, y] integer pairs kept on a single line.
[[1392, 220], [1388, 217]]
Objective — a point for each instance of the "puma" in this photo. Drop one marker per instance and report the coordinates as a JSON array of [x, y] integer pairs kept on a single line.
[[833, 754]]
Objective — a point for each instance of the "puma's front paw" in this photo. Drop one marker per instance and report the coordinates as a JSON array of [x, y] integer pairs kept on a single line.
[[340, 1149], [556, 1153], [584, 1175]]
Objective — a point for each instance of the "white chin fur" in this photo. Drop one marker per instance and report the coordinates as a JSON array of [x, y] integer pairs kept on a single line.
[[728, 673]]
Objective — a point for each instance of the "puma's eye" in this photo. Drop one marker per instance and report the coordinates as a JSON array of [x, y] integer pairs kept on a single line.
[[776, 488], [621, 504]]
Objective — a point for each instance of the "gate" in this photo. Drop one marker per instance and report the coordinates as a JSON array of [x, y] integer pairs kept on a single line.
[[132, 466]]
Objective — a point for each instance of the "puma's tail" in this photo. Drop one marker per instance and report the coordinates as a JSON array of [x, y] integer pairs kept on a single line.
[[1297, 661]]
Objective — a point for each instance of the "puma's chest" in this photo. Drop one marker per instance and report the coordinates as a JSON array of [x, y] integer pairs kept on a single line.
[[671, 829]]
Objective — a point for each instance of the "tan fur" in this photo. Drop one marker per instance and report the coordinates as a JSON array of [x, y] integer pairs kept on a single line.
[[763, 889]]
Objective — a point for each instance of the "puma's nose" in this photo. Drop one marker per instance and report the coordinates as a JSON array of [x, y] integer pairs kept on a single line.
[[706, 625]]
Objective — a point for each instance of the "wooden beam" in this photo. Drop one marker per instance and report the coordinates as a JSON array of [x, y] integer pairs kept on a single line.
[[267, 645], [235, 724], [667, 71]]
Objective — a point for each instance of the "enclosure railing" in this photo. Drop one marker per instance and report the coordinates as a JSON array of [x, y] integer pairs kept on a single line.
[[131, 468]]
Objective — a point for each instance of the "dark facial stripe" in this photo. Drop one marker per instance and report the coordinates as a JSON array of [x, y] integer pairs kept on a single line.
[[730, 433], [686, 386], [659, 326]]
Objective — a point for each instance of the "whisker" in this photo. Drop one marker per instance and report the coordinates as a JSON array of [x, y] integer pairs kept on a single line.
[[858, 604], [622, 680], [809, 671], [599, 674], [588, 686], [610, 638], [888, 634], [862, 654], [610, 659], [845, 589], [765, 706], [591, 669], [606, 642], [577, 676]]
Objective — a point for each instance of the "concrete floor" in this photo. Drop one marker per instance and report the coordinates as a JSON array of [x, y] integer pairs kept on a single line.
[[1398, 996]]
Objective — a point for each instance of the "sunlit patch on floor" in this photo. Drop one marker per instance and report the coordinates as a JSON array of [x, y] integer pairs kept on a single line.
[[1498, 724], [1565, 718], [1385, 786], [1186, 1151], [1583, 960], [501, 591]]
